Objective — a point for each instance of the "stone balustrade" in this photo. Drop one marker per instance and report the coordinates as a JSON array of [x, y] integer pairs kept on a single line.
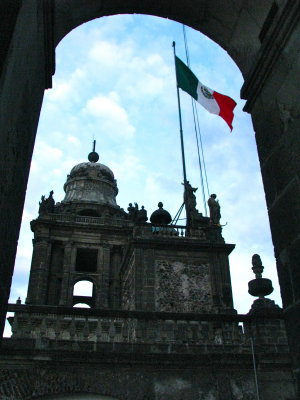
[[88, 220], [124, 330], [147, 229], [134, 327]]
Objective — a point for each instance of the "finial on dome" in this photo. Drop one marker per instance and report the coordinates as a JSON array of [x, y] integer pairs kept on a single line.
[[93, 156]]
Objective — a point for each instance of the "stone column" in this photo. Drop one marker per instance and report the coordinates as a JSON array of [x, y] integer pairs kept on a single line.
[[65, 284], [143, 274], [38, 281], [114, 278], [102, 289]]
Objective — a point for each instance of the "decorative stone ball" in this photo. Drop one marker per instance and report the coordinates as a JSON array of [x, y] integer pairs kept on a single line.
[[93, 156], [160, 216]]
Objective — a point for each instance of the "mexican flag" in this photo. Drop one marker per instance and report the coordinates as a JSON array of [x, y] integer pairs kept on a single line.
[[214, 102]]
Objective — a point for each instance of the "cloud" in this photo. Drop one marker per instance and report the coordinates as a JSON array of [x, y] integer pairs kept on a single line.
[[109, 54], [127, 167], [112, 116], [47, 154], [74, 141]]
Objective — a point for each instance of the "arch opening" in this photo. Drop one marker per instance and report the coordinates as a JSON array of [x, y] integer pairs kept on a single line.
[[84, 293], [125, 162], [34, 105], [225, 32]]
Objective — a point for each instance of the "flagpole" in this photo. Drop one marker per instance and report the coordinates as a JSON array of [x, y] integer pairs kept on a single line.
[[180, 123]]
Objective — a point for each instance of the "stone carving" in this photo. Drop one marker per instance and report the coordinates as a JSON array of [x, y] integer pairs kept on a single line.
[[142, 215], [189, 197], [192, 214], [47, 206], [214, 209], [182, 287], [90, 186], [135, 214], [132, 211], [128, 287]]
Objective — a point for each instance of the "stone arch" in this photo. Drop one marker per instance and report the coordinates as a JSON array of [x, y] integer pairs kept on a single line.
[[223, 22], [84, 278], [89, 296]]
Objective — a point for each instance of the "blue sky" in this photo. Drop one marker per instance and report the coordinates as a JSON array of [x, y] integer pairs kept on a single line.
[[115, 82]]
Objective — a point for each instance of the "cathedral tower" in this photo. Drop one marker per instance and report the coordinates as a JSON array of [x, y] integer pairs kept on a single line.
[[160, 322]]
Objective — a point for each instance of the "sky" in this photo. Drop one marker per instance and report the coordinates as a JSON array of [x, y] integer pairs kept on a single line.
[[115, 83]]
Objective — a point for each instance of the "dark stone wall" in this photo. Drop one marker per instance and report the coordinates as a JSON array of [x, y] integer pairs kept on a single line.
[[271, 88], [8, 16], [20, 102], [164, 377]]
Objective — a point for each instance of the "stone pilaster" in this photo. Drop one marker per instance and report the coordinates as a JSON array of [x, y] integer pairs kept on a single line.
[[114, 280], [102, 289], [142, 294], [37, 289], [65, 285]]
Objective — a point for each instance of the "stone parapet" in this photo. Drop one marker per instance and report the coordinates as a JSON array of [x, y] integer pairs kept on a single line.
[[44, 326]]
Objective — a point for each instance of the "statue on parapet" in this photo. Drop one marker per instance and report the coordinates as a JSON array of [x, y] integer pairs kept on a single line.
[[47, 206], [136, 214], [189, 197], [142, 215], [214, 209]]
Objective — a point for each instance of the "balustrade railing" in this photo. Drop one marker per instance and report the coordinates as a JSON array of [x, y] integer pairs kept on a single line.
[[180, 231], [88, 220], [124, 330], [122, 326]]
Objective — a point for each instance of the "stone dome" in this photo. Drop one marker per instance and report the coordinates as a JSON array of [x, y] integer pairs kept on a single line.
[[160, 216], [91, 170], [91, 182]]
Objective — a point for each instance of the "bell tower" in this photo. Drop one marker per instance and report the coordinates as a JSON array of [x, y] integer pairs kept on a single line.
[[159, 321], [76, 240], [123, 262]]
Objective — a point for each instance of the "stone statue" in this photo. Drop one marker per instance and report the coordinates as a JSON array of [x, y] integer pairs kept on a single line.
[[214, 209], [130, 209], [189, 197], [50, 202], [47, 206], [133, 211], [142, 215]]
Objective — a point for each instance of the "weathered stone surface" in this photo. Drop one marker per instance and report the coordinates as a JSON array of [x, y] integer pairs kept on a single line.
[[182, 287], [134, 382]]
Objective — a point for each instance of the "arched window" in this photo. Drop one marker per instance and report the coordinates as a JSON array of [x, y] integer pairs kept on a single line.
[[84, 293], [88, 213], [86, 260], [83, 288]]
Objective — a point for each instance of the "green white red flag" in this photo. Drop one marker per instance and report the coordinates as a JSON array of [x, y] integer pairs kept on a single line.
[[211, 100]]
